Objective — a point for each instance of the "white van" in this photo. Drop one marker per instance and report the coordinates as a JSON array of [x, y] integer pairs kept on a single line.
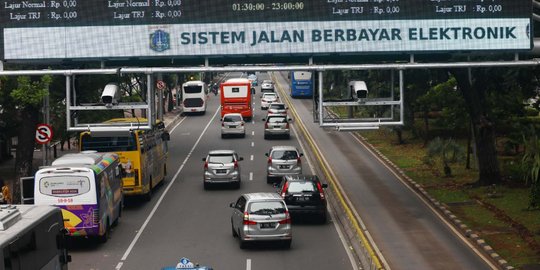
[[194, 94], [358, 89]]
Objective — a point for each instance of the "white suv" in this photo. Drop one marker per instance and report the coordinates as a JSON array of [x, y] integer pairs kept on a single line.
[[233, 124]]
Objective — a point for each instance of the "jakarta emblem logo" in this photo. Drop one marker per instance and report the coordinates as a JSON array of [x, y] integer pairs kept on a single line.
[[160, 41]]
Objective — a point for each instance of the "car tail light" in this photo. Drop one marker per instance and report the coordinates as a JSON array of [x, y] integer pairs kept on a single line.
[[236, 164], [321, 192], [269, 160], [247, 221], [222, 124], [298, 160], [284, 190], [266, 125], [287, 219], [206, 165], [287, 125], [242, 124]]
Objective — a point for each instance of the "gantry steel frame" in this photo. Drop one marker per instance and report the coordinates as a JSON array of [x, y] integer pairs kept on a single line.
[[150, 71]]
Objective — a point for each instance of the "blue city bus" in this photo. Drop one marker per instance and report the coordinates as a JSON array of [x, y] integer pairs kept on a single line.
[[301, 84]]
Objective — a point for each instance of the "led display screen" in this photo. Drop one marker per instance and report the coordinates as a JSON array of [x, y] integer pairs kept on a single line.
[[89, 29]]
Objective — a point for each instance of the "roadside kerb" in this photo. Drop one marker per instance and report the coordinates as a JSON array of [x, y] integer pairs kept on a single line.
[[342, 198], [454, 221]]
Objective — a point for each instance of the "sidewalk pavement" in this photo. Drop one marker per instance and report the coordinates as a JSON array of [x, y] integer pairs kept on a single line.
[[7, 167]]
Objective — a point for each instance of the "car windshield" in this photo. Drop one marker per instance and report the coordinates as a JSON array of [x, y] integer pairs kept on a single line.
[[276, 120], [232, 118], [302, 187], [266, 208], [228, 158], [284, 154]]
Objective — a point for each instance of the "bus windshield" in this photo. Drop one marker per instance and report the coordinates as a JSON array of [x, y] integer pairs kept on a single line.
[[108, 144], [193, 89]]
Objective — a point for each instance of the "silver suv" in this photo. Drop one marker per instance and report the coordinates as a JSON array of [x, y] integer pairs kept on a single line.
[[221, 166], [261, 216], [277, 125], [283, 160]]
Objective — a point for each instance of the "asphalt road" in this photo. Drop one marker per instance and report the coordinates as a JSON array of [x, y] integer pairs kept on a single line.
[[184, 220]]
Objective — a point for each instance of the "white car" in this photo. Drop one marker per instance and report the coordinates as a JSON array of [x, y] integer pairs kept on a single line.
[[267, 99], [233, 124], [267, 86]]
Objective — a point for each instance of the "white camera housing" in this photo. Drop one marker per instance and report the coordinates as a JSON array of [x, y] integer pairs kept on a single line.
[[111, 94], [358, 89]]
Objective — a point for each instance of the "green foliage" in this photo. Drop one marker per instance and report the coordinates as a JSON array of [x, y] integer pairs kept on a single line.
[[445, 99], [530, 111], [29, 92], [531, 165], [445, 152]]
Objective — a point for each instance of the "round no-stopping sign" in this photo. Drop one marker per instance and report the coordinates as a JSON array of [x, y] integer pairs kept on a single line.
[[160, 85], [44, 133]]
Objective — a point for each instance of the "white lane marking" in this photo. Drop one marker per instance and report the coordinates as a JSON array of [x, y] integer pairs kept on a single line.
[[158, 203], [175, 126], [248, 264], [119, 265], [251, 158], [252, 144], [253, 133], [250, 176]]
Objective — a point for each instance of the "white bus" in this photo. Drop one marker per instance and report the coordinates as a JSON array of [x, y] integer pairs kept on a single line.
[[87, 186], [194, 94], [32, 237]]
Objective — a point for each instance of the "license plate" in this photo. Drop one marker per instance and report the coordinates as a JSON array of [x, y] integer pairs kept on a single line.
[[221, 171], [283, 166], [268, 225], [232, 126], [193, 110], [302, 199]]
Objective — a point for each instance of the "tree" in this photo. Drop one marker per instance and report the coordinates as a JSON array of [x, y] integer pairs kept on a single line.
[[474, 92], [531, 166], [28, 96]]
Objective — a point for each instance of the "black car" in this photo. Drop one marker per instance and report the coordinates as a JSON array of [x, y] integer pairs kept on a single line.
[[304, 195]]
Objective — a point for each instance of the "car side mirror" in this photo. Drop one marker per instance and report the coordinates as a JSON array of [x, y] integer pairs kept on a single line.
[[324, 185], [240, 158], [203, 159], [266, 154], [232, 205], [264, 119], [301, 154]]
